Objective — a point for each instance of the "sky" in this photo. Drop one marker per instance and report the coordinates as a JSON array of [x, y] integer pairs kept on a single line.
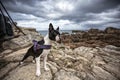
[[67, 14]]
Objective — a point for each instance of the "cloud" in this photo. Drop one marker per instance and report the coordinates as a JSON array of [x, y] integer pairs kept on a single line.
[[68, 14]]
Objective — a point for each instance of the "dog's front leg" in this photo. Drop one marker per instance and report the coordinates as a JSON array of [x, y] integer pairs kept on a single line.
[[38, 72], [45, 62]]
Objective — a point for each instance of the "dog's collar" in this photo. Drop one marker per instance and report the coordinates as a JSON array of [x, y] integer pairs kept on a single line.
[[37, 46]]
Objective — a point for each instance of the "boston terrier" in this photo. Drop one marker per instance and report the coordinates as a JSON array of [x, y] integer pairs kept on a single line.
[[53, 35]]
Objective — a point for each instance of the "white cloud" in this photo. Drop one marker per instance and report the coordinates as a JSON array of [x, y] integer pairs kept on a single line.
[[65, 6], [54, 15]]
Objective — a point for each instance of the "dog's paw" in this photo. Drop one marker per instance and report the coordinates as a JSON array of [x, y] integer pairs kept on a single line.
[[33, 61], [46, 69], [38, 74]]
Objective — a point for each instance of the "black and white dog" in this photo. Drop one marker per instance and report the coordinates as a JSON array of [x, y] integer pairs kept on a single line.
[[53, 35]]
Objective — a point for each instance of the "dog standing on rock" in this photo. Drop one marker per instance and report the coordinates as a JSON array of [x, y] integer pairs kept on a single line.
[[53, 35]]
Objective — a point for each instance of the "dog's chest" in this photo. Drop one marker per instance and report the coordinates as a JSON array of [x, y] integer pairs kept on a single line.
[[46, 51]]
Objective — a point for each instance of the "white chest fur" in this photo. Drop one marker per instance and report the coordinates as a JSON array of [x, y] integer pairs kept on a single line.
[[47, 42]]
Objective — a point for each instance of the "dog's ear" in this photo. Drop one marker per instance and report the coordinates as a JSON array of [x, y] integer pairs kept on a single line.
[[51, 27], [57, 28]]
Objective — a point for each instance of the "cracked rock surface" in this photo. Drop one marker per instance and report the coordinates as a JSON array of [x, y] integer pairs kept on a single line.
[[82, 63]]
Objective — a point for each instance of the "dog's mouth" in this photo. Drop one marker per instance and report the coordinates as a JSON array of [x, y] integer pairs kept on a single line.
[[59, 41]]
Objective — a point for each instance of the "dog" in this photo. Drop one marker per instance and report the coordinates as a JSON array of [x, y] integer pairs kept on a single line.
[[53, 35]]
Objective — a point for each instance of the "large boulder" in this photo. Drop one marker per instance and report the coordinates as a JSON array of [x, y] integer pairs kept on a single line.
[[23, 40]]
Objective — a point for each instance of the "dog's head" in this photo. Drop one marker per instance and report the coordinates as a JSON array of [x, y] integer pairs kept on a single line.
[[54, 34]]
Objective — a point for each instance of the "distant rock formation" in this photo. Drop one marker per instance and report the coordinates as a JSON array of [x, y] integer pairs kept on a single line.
[[93, 37], [111, 30]]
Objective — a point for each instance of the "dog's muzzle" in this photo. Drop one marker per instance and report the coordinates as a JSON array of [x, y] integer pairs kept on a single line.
[[58, 39]]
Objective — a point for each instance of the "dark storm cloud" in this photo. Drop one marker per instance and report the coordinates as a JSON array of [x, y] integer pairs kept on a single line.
[[87, 6], [81, 12], [97, 6], [23, 6], [26, 2], [86, 13]]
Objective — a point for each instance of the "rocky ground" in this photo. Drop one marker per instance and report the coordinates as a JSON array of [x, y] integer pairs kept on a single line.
[[64, 62], [82, 63]]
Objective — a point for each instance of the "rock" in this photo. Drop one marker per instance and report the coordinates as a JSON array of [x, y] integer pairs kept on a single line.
[[5, 52], [113, 68], [101, 74], [77, 31], [22, 41], [111, 30], [95, 31], [53, 66], [97, 60], [85, 52], [64, 63], [26, 73], [93, 38], [63, 75], [112, 49], [89, 77], [23, 73]]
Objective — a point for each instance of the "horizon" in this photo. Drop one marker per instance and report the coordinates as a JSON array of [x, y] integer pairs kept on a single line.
[[80, 29]]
